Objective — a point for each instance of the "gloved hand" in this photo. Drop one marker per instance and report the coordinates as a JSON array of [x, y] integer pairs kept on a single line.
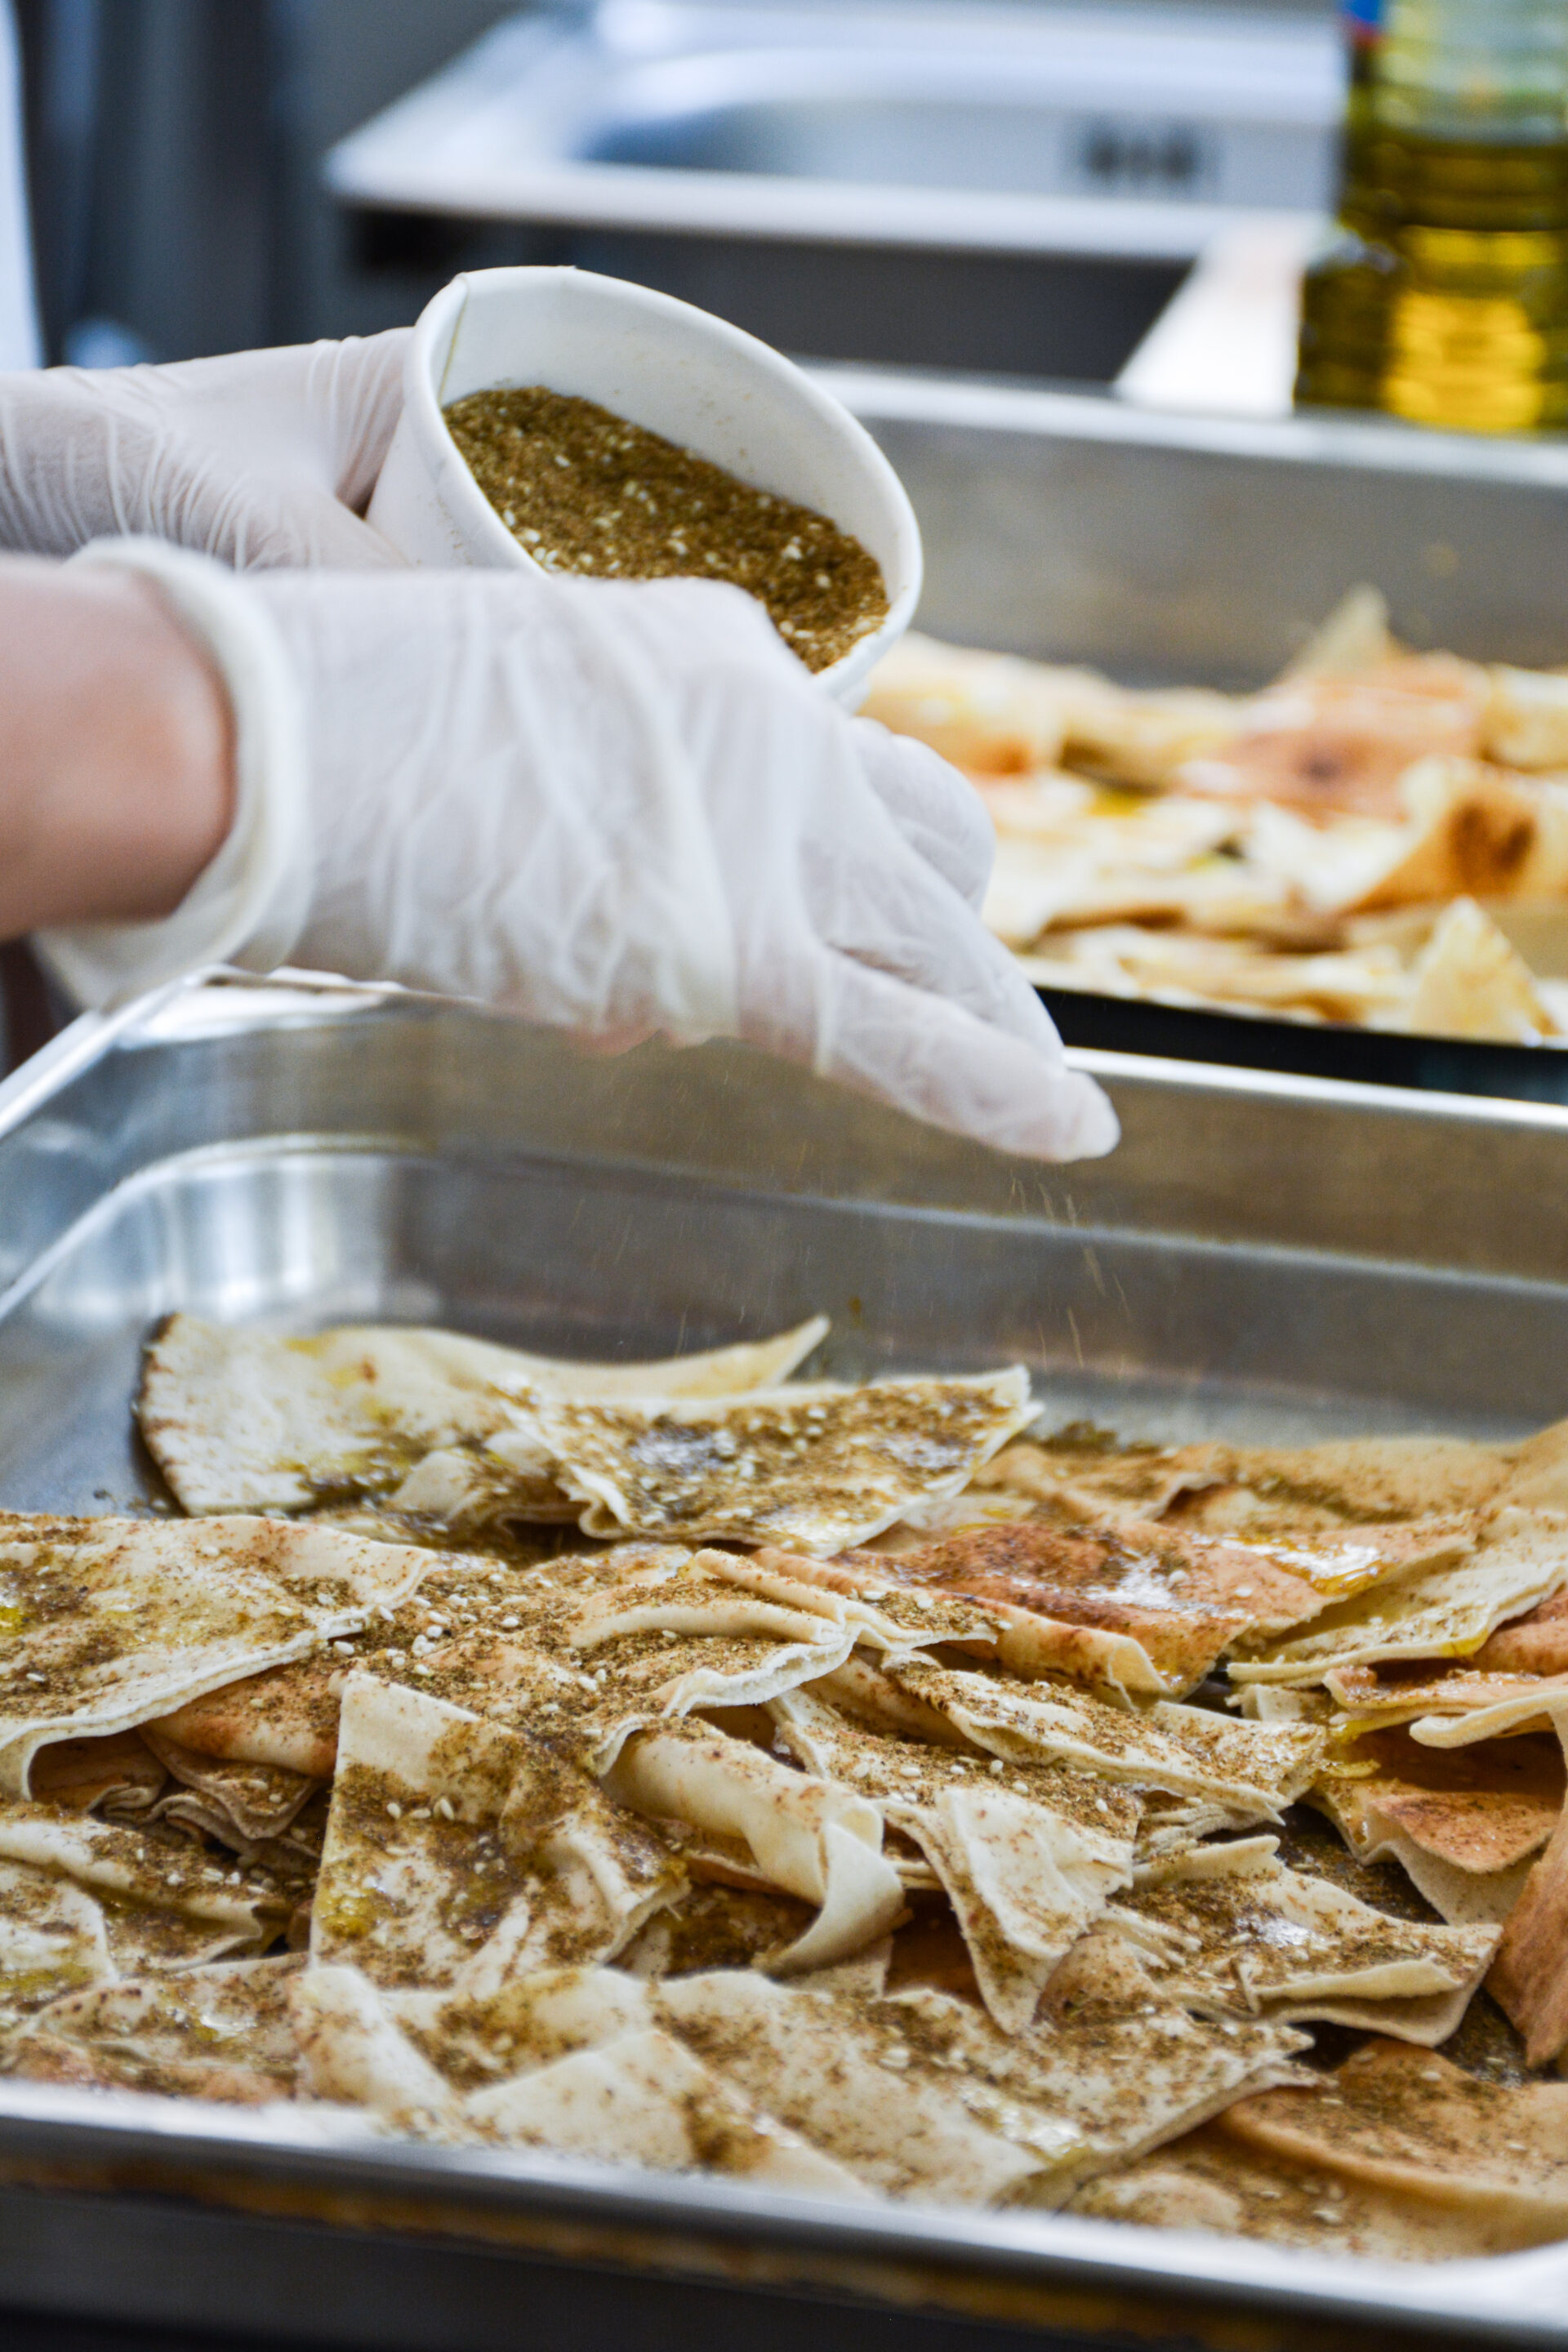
[[262, 458], [618, 809]]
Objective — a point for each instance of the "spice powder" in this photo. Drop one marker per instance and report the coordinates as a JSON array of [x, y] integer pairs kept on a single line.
[[583, 491]]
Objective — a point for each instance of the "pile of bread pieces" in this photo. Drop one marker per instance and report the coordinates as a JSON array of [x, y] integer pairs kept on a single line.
[[1380, 837], [843, 1789]]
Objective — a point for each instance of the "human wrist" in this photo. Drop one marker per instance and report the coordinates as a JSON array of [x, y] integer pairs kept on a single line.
[[116, 750]]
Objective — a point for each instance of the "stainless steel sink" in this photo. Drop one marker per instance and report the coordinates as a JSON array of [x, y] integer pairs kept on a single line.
[[1009, 186], [1103, 129]]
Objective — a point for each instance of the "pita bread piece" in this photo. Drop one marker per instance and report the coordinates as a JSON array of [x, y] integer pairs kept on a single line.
[[455, 1849], [1463, 1824], [238, 1421], [116, 1776], [991, 714], [1406, 2120], [815, 1468], [1027, 1855], [847, 2076], [105, 1623], [1181, 1602], [1469, 981], [1535, 1643], [1520, 1558], [643, 2099], [286, 1719], [1085, 1478], [1262, 1941], [52, 1940], [1357, 1483], [1253, 1769], [1339, 745], [1529, 1978], [219, 2032], [1107, 2054], [1209, 2181], [163, 1901], [805, 1835]]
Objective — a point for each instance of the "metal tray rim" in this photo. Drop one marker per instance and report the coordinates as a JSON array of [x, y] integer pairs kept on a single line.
[[1515, 2297]]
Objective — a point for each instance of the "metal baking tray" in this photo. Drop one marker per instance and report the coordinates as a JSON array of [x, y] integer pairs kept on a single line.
[[1281, 1258], [1171, 549]]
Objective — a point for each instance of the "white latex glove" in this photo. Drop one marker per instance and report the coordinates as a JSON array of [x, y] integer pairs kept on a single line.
[[261, 458], [620, 810]]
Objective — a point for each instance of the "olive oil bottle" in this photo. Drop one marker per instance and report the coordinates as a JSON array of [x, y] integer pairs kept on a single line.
[[1442, 295]]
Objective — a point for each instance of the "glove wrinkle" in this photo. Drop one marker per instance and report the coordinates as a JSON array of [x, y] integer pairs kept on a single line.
[[260, 458]]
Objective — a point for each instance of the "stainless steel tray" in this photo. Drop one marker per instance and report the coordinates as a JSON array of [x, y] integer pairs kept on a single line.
[[1162, 548], [1260, 1256]]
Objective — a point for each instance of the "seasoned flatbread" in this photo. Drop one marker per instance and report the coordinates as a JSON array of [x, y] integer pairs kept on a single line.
[[813, 1468], [807, 1836], [1253, 1769], [459, 1851], [1447, 1612], [217, 2033], [133, 1872], [1453, 1704], [52, 1940], [851, 2078], [1262, 1941], [238, 1420], [248, 1802], [1407, 2120], [1535, 1643], [1462, 1824], [1099, 1483], [106, 1623], [643, 2099], [1354, 1481], [1027, 1855], [1211, 2182], [1469, 981], [1179, 1601], [118, 1775]]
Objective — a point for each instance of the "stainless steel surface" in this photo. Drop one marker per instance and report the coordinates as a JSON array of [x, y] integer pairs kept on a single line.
[[1072, 526], [988, 185], [1001, 127], [1260, 1255]]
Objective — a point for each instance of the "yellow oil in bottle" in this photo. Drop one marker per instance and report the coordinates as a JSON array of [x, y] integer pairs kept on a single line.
[[1443, 294]]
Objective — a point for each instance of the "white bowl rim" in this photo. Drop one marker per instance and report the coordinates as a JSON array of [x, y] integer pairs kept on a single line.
[[456, 486]]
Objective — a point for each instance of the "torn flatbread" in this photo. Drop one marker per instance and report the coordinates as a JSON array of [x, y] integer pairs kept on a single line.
[[118, 1775], [1535, 1643], [807, 1836], [644, 2099], [1463, 1825], [217, 2033], [1262, 1941], [1406, 2120], [811, 1467], [1521, 1557], [848, 2077], [238, 1420], [146, 1871], [1211, 2182], [1253, 1769], [106, 1623], [1178, 1601], [459, 1851], [52, 1940], [1027, 1855]]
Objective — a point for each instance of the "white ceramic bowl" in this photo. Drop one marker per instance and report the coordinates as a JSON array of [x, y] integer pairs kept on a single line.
[[664, 365]]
